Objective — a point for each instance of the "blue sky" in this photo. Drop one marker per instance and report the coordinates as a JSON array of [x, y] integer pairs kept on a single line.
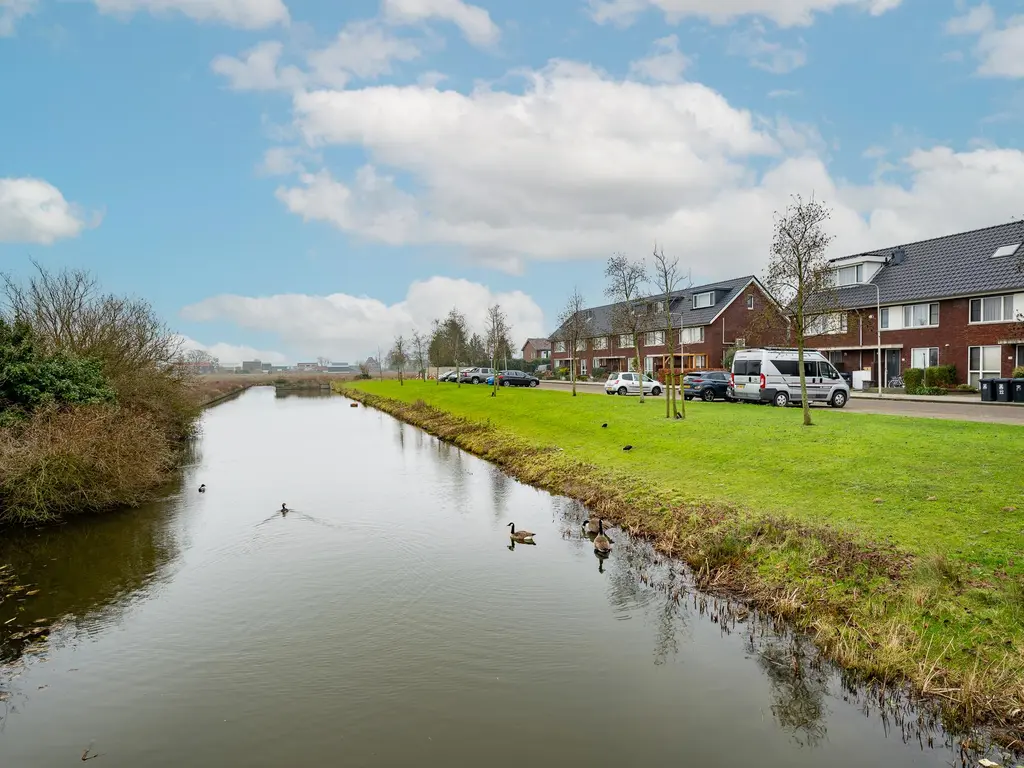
[[293, 178]]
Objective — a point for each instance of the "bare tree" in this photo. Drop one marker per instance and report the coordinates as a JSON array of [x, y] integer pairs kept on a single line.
[[455, 333], [573, 328], [398, 356], [323, 362], [666, 280], [418, 348], [631, 315], [380, 364], [800, 276], [436, 349], [497, 339]]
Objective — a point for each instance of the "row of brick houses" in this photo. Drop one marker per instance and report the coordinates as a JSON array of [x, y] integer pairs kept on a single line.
[[708, 319], [957, 299]]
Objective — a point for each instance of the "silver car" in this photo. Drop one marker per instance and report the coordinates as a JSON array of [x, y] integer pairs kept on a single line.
[[629, 383], [773, 376]]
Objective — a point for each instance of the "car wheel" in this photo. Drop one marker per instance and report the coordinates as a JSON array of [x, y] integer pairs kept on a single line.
[[781, 400], [622, 390], [687, 397], [534, 383], [708, 395], [475, 380], [656, 391], [838, 399], [504, 383]]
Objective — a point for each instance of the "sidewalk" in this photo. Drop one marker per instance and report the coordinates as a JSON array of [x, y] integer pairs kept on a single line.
[[969, 399]]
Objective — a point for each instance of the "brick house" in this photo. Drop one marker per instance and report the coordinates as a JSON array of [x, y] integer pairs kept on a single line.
[[709, 320], [953, 300], [536, 349]]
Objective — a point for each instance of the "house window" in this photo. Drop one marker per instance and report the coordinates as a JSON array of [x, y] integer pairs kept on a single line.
[[626, 341], [1020, 354], [692, 335], [655, 339], [921, 315], [559, 346], [750, 301], [924, 357], [545, 353], [885, 318], [851, 275], [983, 363], [824, 325], [583, 367], [700, 361], [581, 345], [702, 300], [601, 342], [992, 309]]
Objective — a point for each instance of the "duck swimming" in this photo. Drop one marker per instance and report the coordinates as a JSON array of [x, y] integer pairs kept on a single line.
[[521, 536], [602, 544], [202, 488]]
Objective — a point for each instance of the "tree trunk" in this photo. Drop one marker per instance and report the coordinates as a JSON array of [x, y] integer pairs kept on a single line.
[[572, 374], [803, 374], [639, 370], [458, 378], [682, 401], [494, 368]]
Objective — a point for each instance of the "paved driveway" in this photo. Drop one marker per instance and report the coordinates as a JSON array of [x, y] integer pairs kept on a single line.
[[994, 414]]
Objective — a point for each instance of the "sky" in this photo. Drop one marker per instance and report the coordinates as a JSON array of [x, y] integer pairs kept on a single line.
[[288, 179]]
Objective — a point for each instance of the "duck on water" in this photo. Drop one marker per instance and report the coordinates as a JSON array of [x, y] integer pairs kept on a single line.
[[523, 537]]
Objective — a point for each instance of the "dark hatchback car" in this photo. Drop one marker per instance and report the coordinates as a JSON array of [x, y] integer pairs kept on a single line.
[[517, 379], [707, 385]]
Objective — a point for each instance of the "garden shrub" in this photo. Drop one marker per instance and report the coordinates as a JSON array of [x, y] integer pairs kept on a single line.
[[912, 378], [940, 376], [1018, 372]]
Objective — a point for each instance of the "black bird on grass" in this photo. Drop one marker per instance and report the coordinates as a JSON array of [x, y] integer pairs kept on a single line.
[[605, 425], [627, 447]]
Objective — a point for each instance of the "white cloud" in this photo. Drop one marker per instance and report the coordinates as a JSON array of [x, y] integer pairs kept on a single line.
[[285, 161], [348, 327], [474, 22], [258, 69], [783, 93], [999, 48], [785, 13], [11, 11], [763, 54], [362, 49], [34, 211], [431, 79], [578, 165], [246, 14], [664, 64], [233, 354]]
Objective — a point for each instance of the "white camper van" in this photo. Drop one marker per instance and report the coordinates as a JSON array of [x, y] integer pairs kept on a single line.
[[773, 376]]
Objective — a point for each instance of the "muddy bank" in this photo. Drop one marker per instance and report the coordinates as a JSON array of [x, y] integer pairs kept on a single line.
[[847, 594]]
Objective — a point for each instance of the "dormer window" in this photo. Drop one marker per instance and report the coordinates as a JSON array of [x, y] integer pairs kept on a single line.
[[850, 275], [703, 300]]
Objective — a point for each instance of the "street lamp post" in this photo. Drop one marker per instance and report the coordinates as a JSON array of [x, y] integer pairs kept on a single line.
[[878, 331]]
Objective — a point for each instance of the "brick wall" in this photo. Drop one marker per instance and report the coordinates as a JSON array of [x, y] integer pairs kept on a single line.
[[953, 336]]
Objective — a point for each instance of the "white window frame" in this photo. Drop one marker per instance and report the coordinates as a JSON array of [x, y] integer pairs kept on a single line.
[[927, 351], [649, 361], [626, 341], [700, 335], [583, 366], [750, 301], [654, 339], [601, 342], [981, 372], [700, 298], [885, 318], [700, 361], [581, 345], [832, 324], [559, 346], [1005, 300], [858, 275], [909, 310], [545, 353]]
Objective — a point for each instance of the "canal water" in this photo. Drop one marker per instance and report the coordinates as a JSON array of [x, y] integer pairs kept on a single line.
[[385, 621]]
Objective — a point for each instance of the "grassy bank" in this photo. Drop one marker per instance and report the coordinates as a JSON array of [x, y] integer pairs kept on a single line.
[[896, 542]]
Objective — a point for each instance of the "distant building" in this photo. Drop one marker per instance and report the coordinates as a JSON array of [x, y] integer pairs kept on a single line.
[[536, 349], [309, 367], [252, 366]]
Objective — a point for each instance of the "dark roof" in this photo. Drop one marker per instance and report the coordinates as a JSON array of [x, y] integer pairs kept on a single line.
[[682, 306], [538, 344], [944, 267]]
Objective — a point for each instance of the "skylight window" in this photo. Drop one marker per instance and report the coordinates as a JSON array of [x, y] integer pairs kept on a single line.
[[1006, 250]]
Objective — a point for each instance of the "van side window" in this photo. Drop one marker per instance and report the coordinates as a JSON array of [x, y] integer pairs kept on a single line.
[[811, 369], [747, 367], [788, 367]]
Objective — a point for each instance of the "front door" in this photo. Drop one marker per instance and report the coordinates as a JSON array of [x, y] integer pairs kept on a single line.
[[892, 365]]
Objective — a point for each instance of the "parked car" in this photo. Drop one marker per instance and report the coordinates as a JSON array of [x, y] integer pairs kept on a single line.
[[707, 385], [628, 383], [773, 376], [514, 379], [475, 375]]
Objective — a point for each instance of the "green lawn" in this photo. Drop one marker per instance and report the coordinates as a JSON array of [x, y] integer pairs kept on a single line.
[[897, 542], [762, 459]]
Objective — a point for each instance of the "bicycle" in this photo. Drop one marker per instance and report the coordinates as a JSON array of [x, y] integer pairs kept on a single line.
[[896, 382]]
